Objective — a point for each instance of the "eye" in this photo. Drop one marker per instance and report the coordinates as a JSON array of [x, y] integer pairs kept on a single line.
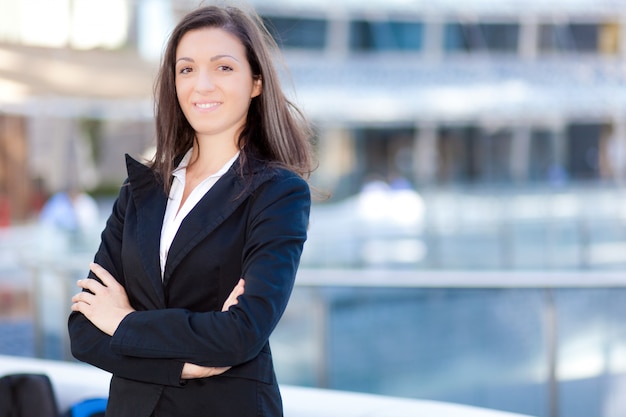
[[184, 70], [225, 68]]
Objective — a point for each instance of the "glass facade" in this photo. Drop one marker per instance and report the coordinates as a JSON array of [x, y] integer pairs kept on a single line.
[[298, 33], [570, 38], [379, 36]]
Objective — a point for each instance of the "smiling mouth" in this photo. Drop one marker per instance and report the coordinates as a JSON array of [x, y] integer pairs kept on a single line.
[[206, 105]]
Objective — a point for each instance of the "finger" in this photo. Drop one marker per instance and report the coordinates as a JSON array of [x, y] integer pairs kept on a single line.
[[237, 292], [218, 370], [82, 297], [104, 275], [230, 301], [81, 307], [89, 284], [239, 289], [233, 296], [78, 304]]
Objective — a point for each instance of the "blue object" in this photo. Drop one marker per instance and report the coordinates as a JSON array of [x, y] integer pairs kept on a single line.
[[88, 408]]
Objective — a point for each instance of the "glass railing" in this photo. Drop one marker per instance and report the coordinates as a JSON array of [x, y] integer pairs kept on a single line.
[[510, 302]]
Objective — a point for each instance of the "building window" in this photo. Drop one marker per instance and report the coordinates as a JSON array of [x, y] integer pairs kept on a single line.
[[583, 156], [461, 38], [385, 153], [491, 37], [572, 37], [501, 37], [386, 36], [297, 33], [471, 155], [457, 162]]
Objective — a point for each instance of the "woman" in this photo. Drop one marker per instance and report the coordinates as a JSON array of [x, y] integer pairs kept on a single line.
[[198, 258]]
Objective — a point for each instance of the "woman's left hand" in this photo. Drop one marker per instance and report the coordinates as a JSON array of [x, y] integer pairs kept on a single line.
[[106, 305]]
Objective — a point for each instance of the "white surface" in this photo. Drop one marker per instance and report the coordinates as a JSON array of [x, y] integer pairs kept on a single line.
[[313, 402], [74, 382]]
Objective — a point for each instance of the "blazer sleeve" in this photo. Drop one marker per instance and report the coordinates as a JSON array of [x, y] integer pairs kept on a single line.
[[89, 344], [276, 232]]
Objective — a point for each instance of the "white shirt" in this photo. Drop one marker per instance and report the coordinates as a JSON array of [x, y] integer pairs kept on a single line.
[[175, 216]]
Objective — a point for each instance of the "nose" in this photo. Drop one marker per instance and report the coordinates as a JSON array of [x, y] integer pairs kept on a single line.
[[204, 82]]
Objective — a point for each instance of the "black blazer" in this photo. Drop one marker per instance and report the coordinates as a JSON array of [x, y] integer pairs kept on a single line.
[[257, 235]]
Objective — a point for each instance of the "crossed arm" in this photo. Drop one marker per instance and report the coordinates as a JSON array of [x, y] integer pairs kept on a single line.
[[106, 304]]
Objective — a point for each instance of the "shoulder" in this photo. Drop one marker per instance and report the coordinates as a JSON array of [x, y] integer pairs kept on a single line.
[[284, 199], [279, 189], [263, 174], [280, 178]]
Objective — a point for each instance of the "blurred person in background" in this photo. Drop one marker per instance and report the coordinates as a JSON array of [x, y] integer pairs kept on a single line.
[[70, 210], [198, 258], [68, 222]]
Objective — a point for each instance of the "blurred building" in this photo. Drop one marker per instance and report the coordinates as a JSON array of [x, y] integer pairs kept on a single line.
[[483, 94], [508, 119], [443, 93], [74, 96]]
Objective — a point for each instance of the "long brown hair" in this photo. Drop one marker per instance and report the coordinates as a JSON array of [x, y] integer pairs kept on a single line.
[[275, 131]]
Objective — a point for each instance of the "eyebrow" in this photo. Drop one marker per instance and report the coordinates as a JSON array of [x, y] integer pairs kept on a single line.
[[184, 58], [212, 59], [216, 57]]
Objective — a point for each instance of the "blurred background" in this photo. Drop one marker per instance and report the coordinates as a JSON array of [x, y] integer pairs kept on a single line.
[[473, 249]]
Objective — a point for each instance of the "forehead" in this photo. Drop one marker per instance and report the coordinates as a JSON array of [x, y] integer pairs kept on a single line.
[[209, 41]]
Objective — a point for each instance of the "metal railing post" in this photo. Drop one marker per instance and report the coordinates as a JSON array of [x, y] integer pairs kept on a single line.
[[551, 335]]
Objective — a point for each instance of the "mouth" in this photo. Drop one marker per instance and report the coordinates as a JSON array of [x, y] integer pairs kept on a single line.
[[207, 106]]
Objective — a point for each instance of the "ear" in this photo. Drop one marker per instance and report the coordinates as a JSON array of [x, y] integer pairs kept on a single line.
[[257, 86]]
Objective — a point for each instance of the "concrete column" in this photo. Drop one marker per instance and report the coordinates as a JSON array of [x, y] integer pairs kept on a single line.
[[433, 37], [338, 35], [621, 47], [528, 38], [520, 153], [336, 156], [49, 139], [617, 150], [425, 153]]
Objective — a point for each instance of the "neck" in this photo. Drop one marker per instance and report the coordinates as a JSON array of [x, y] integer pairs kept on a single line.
[[209, 155]]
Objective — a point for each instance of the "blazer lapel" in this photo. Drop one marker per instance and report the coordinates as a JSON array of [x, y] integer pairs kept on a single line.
[[228, 193], [150, 200]]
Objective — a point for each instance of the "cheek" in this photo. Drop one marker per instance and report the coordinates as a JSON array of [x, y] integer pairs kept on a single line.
[[182, 89], [183, 99]]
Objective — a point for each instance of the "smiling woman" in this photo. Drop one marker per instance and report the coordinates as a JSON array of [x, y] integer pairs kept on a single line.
[[199, 255]]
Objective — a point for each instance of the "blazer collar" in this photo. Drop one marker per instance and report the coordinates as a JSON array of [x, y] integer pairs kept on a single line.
[[150, 200], [228, 193]]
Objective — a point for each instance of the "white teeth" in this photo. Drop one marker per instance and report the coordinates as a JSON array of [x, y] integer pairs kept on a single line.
[[206, 105]]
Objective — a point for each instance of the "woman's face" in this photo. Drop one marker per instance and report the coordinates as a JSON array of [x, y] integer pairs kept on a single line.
[[214, 82]]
